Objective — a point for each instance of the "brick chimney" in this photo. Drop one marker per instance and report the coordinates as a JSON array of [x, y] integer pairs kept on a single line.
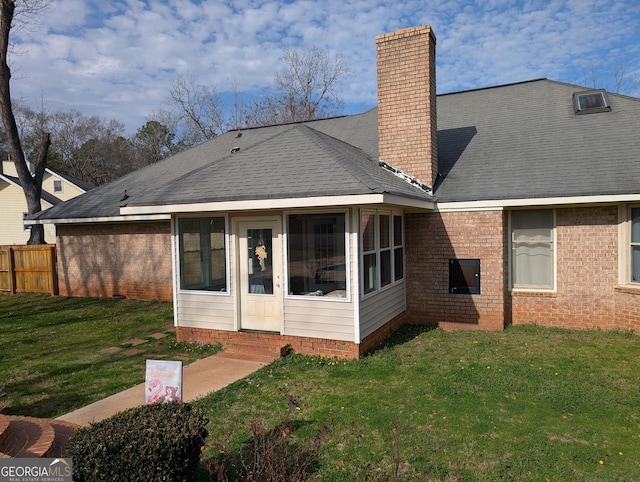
[[407, 101]]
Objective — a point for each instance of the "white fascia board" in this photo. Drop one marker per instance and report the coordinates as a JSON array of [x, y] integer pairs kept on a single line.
[[104, 219], [286, 203], [500, 204]]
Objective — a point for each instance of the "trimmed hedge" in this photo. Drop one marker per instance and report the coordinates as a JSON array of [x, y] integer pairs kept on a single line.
[[158, 442]]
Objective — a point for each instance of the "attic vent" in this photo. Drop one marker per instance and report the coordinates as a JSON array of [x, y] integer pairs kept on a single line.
[[403, 175], [589, 102]]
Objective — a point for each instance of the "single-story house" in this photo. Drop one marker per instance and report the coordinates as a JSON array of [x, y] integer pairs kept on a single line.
[[505, 205], [56, 188]]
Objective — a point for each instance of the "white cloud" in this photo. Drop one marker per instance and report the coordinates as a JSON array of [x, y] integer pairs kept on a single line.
[[116, 59]]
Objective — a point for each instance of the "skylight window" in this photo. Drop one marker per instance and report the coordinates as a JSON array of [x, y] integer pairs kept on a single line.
[[590, 102]]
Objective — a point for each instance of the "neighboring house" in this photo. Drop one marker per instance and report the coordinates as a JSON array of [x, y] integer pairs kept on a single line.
[[506, 205], [56, 188]]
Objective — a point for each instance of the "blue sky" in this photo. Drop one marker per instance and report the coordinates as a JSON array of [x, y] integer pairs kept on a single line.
[[116, 58]]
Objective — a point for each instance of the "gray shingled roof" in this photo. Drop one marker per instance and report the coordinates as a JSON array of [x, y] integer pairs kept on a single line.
[[296, 162], [515, 141], [524, 141]]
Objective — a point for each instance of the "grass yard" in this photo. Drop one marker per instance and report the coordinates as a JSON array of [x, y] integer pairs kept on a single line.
[[50, 349], [528, 403]]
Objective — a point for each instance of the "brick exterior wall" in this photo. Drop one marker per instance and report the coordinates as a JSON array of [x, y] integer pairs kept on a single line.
[[407, 101], [587, 294], [119, 259], [433, 239]]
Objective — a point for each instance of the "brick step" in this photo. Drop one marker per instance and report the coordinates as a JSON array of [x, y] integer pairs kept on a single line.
[[253, 346], [28, 437], [64, 431]]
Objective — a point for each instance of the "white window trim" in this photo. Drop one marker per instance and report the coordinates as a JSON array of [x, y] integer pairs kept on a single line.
[[227, 237], [624, 246], [554, 251], [57, 191], [394, 282], [347, 254]]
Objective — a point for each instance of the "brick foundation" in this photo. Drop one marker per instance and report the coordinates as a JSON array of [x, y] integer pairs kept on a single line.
[[274, 345]]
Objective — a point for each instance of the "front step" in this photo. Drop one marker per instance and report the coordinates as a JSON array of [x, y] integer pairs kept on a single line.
[[28, 437]]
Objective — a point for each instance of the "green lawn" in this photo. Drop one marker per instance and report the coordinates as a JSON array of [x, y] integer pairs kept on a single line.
[[528, 403], [50, 349]]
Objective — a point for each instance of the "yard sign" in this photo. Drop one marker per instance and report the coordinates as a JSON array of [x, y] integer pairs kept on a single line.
[[163, 382]]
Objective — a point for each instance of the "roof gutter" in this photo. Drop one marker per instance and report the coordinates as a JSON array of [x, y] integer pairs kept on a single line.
[[499, 204], [102, 219]]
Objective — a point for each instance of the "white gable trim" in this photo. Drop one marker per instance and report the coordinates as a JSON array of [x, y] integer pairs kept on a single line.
[[64, 179], [286, 203]]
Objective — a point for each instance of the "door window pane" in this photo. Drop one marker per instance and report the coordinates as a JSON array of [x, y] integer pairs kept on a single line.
[[259, 259]]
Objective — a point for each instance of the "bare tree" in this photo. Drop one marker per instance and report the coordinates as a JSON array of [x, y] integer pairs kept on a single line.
[[193, 111], [614, 77], [74, 132], [306, 87], [31, 184]]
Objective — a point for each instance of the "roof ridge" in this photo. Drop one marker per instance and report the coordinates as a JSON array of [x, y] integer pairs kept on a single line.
[[360, 174], [364, 177]]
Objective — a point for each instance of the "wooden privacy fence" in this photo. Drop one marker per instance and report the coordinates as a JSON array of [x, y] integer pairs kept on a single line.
[[28, 269]]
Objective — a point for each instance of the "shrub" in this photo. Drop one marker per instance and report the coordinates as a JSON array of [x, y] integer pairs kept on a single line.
[[276, 455], [158, 442]]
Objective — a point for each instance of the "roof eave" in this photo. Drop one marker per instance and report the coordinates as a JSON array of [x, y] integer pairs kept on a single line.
[[284, 203]]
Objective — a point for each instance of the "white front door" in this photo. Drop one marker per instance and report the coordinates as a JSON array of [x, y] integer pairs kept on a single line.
[[260, 266]]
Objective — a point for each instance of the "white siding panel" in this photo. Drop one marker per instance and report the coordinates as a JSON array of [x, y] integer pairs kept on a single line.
[[319, 319], [381, 308], [204, 310]]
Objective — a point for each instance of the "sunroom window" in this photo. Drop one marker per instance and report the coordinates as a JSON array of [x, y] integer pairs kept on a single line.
[[382, 248], [532, 249], [635, 245], [203, 258], [317, 255]]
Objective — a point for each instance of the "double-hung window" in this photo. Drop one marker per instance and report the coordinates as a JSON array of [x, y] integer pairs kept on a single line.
[[203, 256], [382, 250], [532, 249]]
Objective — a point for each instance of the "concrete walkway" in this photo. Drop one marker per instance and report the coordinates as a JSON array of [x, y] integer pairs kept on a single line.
[[198, 379]]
